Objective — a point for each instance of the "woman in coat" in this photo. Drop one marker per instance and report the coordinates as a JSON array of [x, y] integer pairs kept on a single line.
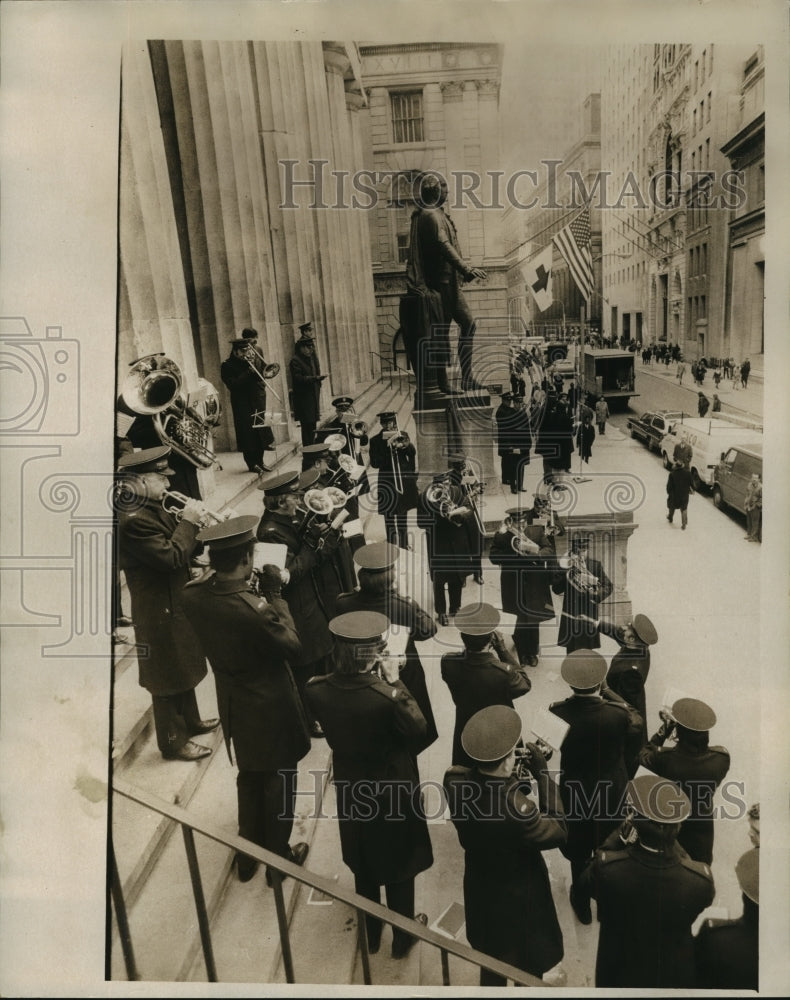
[[375, 730], [525, 554]]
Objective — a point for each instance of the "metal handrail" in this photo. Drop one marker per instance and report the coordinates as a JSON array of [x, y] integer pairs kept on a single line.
[[280, 868], [384, 362]]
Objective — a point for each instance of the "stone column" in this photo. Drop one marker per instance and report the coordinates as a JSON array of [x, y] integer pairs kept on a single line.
[[488, 103], [453, 97]]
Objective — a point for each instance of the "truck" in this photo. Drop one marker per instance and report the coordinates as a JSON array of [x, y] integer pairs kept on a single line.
[[609, 373], [709, 438]]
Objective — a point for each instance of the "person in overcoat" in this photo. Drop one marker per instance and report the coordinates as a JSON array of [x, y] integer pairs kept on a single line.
[[525, 554], [508, 904], [584, 586], [585, 435], [280, 525], [522, 442], [396, 487], [154, 552], [693, 764], [728, 951], [680, 486], [378, 591], [376, 731], [306, 379], [506, 417], [248, 639], [628, 671], [242, 373], [484, 673], [592, 761], [649, 893]]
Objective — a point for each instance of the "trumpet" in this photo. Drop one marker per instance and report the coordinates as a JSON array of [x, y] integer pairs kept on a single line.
[[524, 757], [174, 503]]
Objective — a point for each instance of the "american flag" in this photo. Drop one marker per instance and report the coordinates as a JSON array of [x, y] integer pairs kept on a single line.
[[573, 242]]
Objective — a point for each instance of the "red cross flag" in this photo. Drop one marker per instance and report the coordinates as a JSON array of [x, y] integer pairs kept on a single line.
[[537, 274]]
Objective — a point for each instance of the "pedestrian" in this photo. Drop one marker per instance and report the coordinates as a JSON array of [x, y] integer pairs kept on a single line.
[[628, 672], [584, 585], [736, 377], [703, 404], [484, 673], [306, 379], [601, 414], [155, 549], [746, 367], [679, 487], [728, 951], [378, 591], [649, 892], [375, 731], [717, 377], [525, 553], [727, 367], [248, 639], [716, 404], [592, 763], [681, 371], [242, 373], [585, 435], [754, 508], [510, 913], [683, 453], [697, 767]]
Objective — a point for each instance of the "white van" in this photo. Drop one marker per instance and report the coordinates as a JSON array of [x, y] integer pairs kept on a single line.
[[708, 437]]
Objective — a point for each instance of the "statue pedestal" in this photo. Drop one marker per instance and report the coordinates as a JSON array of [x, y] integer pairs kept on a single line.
[[463, 425], [602, 507]]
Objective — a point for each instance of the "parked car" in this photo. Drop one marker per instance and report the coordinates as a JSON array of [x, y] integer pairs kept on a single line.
[[709, 438], [731, 476], [651, 427]]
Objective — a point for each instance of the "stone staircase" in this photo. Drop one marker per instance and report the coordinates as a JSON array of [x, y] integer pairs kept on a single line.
[[149, 849]]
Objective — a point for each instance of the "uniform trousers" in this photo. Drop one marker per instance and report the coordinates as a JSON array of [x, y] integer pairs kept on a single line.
[[455, 583], [400, 898], [395, 527], [266, 801], [176, 718], [302, 675], [526, 637]]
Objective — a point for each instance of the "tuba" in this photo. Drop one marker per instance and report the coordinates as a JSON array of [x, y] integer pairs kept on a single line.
[[153, 388]]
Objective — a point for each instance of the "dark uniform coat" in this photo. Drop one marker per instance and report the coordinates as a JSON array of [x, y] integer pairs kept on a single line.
[[699, 773], [352, 447], [301, 593], [306, 388], [728, 951], [382, 458], [646, 905], [154, 552], [402, 610], [627, 675], [248, 642], [375, 731], [525, 580], [454, 544], [576, 633], [594, 775], [509, 908], [477, 680], [247, 396]]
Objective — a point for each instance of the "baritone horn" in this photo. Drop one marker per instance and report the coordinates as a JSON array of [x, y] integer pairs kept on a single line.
[[358, 429]]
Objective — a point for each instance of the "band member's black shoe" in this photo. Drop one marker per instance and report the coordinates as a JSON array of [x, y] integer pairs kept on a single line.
[[189, 751], [206, 726]]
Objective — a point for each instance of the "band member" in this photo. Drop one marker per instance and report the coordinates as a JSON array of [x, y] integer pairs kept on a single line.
[[592, 760], [524, 552], [306, 379], [345, 422], [378, 591], [155, 548], [728, 951], [509, 909], [506, 418], [698, 768], [584, 586], [376, 731], [522, 443], [242, 373], [484, 673], [628, 672], [282, 525], [452, 536], [248, 640], [395, 457], [649, 894]]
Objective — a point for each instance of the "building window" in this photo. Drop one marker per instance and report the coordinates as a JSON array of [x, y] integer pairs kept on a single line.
[[694, 122], [704, 251], [707, 154], [761, 184], [407, 120], [696, 74], [702, 64], [710, 61], [702, 307], [710, 95]]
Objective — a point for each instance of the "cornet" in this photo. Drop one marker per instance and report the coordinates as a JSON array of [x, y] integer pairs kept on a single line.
[[174, 503]]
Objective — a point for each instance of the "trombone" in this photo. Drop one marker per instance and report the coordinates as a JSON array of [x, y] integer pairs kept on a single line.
[[398, 440], [472, 489], [270, 370]]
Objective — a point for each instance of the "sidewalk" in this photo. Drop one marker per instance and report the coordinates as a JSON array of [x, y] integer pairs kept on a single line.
[[746, 402]]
